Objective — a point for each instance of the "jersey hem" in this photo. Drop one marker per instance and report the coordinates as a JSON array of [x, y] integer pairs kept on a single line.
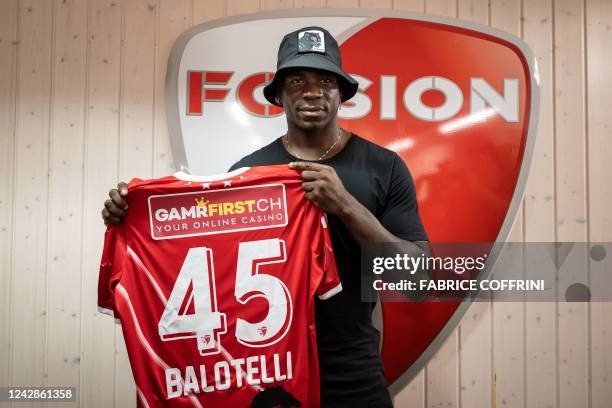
[[331, 292]]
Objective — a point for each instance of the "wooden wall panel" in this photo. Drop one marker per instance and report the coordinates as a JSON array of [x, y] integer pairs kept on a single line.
[[599, 151], [136, 131], [308, 3], [541, 317], [476, 11], [343, 3], [409, 5], [98, 381], [541, 327], [382, 4], [475, 377], [275, 4], [8, 86], [30, 240], [508, 317], [63, 353], [173, 18], [447, 8], [572, 223], [209, 10], [234, 7]]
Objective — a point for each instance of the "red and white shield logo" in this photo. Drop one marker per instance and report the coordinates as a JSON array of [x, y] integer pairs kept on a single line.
[[457, 101]]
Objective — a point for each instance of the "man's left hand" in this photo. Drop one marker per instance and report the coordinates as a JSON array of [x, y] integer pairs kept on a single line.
[[323, 187]]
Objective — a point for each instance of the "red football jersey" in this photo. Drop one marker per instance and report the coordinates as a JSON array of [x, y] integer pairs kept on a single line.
[[213, 280]]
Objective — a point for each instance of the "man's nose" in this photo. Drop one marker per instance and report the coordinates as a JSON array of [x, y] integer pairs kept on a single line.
[[312, 89]]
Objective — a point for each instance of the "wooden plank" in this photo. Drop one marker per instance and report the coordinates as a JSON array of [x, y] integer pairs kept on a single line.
[[29, 311], [571, 186], [174, 18], [241, 7], [509, 317], [413, 395], [308, 3], [442, 374], [506, 15], [409, 5], [8, 86], [101, 173], [476, 376], [540, 188], [66, 194], [476, 11], [541, 317], [208, 10], [136, 130], [599, 83], [382, 4], [137, 79], [276, 4], [446, 8], [343, 3]]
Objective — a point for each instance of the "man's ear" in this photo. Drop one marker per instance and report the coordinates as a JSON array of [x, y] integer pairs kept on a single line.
[[278, 97]]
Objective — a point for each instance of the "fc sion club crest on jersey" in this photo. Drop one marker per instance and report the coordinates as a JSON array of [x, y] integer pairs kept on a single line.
[[456, 100]]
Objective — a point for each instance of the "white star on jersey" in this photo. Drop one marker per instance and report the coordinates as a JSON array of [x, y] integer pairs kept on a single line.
[[227, 183], [205, 186]]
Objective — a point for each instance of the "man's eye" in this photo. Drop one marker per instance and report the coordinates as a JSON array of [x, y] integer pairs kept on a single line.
[[295, 81]]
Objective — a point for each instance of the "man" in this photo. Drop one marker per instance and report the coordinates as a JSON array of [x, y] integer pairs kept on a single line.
[[366, 190]]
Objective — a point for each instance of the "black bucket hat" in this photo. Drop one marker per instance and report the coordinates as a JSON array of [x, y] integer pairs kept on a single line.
[[311, 47]]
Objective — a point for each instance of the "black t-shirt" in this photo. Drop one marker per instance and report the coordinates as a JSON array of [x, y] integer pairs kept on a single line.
[[350, 364]]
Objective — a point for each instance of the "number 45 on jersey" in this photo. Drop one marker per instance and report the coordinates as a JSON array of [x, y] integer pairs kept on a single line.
[[207, 323]]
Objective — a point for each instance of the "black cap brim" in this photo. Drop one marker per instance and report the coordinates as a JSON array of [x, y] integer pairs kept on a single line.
[[347, 84]]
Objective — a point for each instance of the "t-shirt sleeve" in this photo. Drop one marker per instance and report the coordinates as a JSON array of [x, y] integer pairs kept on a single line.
[[329, 283], [244, 162], [111, 269], [400, 215]]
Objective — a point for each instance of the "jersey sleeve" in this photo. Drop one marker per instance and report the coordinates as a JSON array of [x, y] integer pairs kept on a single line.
[[329, 283], [400, 215], [111, 268]]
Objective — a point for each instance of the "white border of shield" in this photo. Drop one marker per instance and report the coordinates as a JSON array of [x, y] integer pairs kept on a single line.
[[180, 157]]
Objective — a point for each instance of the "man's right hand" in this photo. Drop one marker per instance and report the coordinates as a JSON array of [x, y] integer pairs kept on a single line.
[[115, 208]]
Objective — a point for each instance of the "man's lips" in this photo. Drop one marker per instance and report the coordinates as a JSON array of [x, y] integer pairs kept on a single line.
[[311, 111], [310, 108]]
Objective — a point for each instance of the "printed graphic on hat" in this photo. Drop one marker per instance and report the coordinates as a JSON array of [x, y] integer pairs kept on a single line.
[[455, 100], [218, 211], [311, 41]]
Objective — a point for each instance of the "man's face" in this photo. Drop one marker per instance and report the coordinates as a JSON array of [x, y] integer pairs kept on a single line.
[[310, 97]]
